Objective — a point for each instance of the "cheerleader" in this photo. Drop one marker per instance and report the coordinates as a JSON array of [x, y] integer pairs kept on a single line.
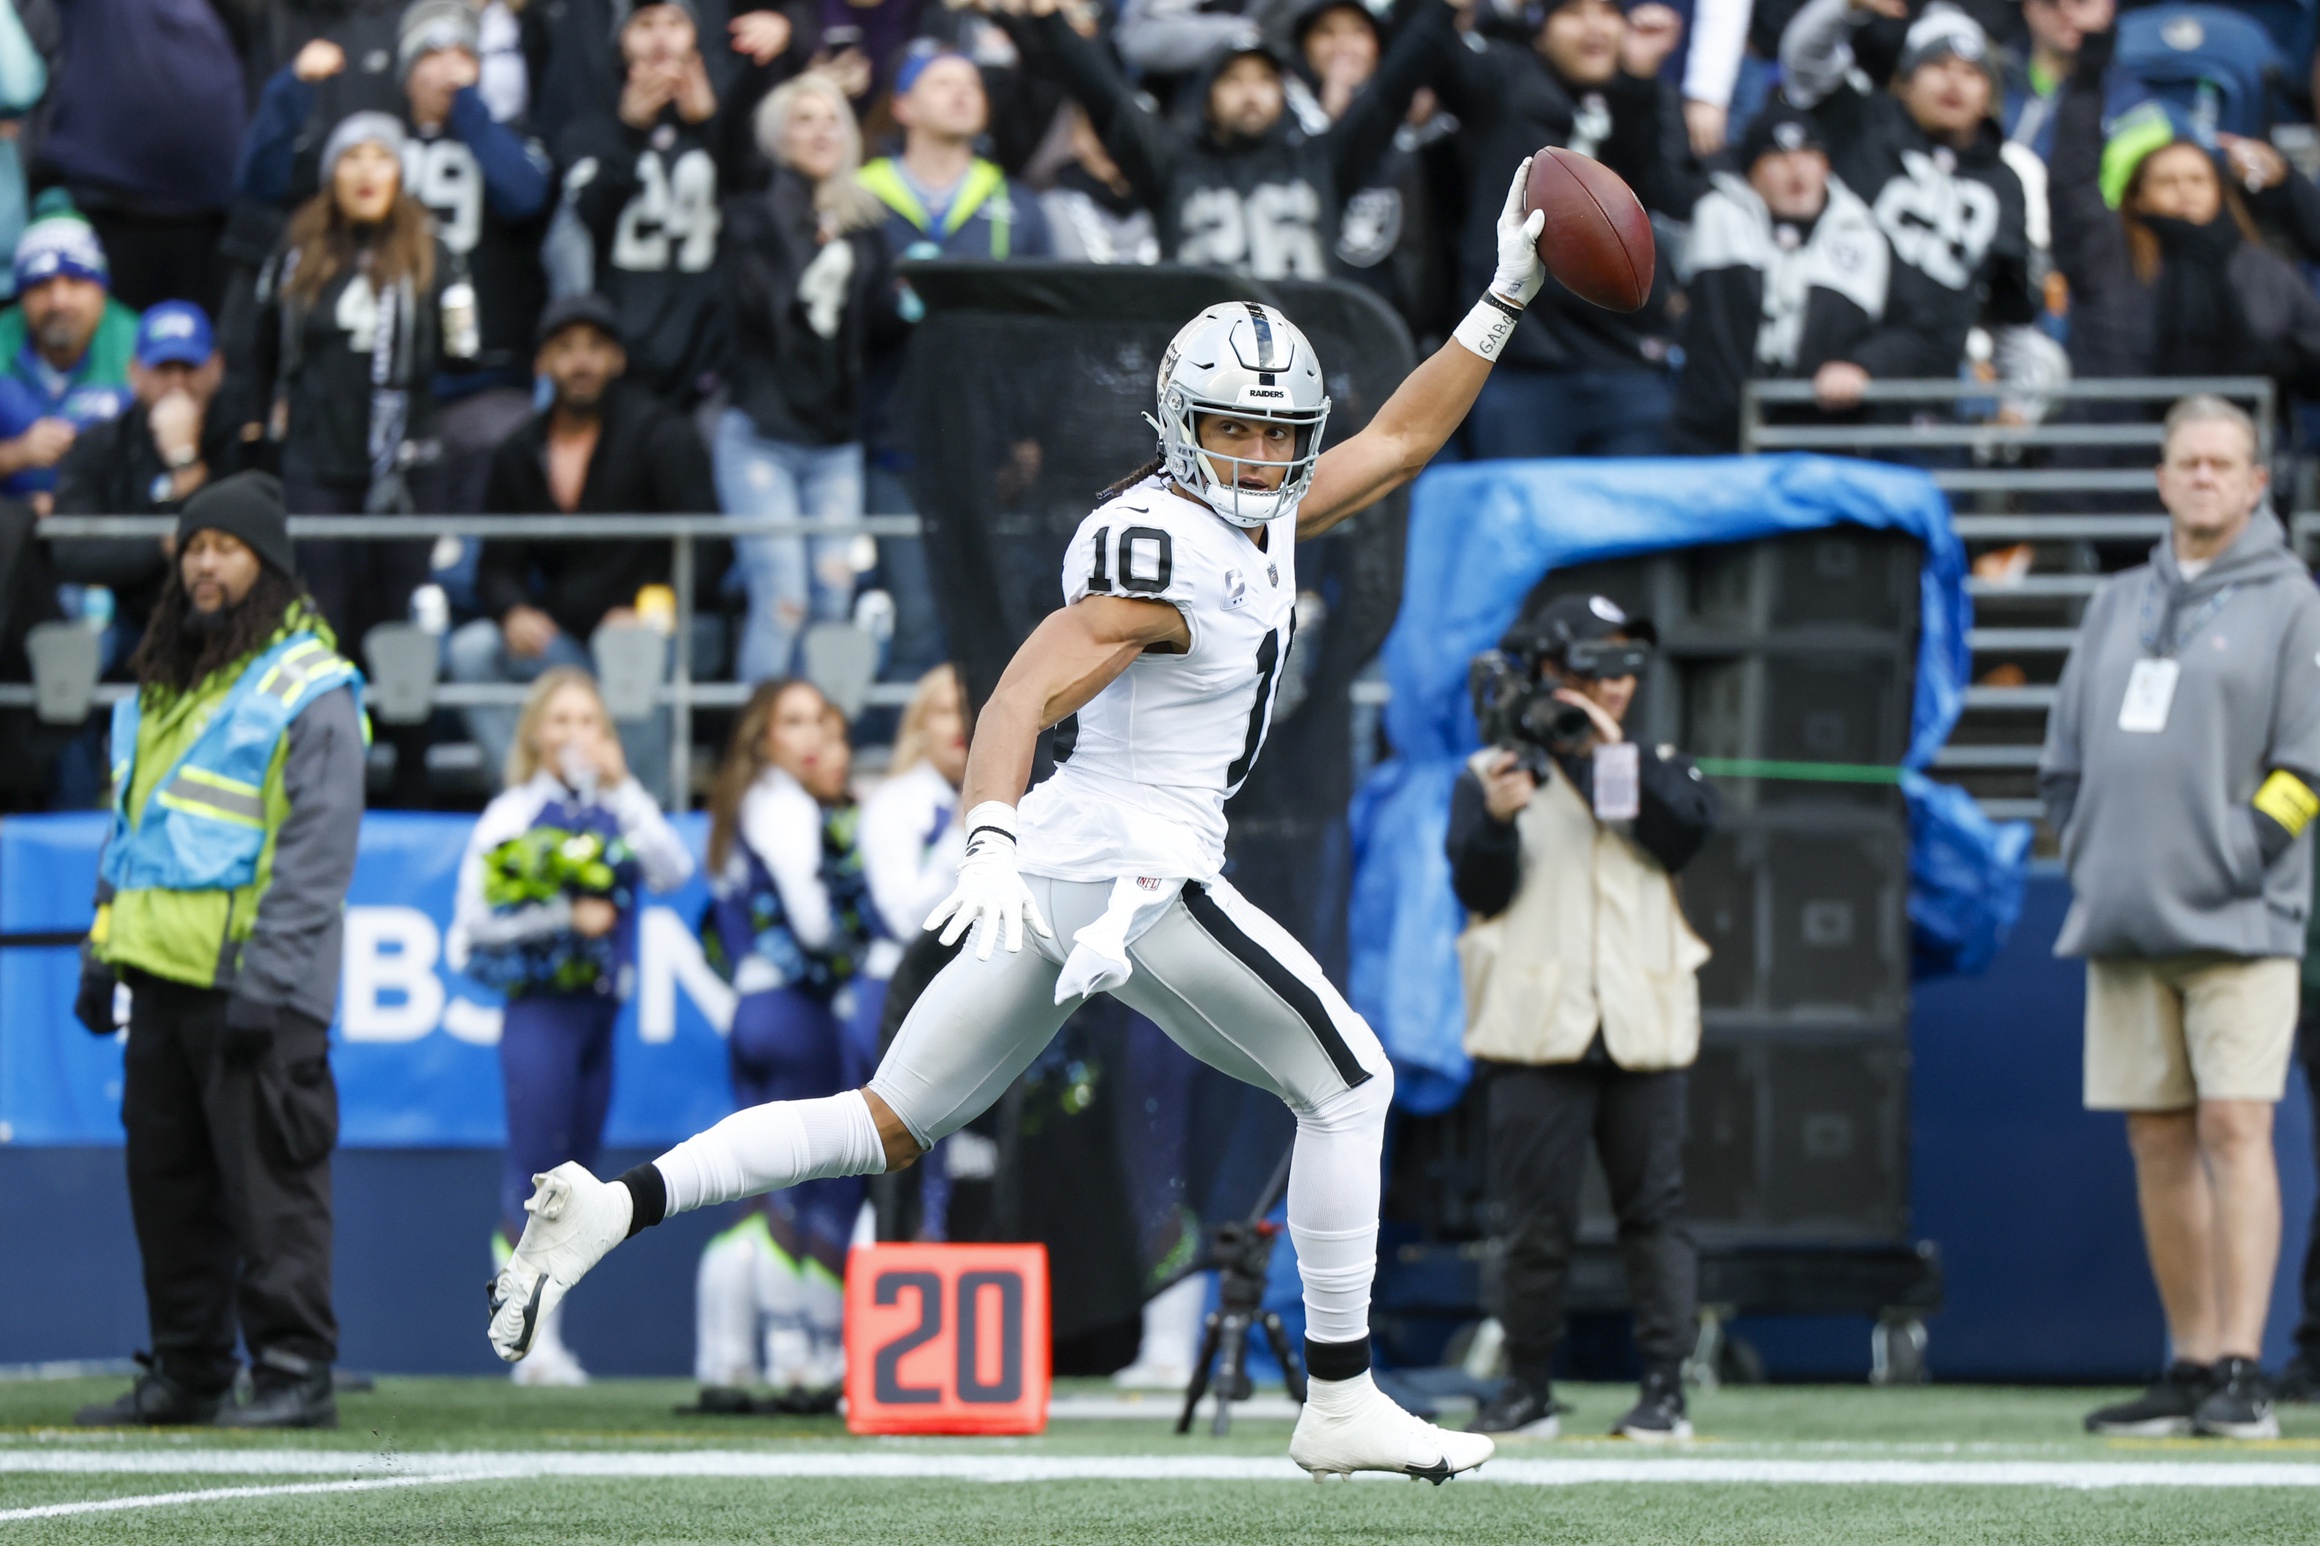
[[790, 921], [546, 913]]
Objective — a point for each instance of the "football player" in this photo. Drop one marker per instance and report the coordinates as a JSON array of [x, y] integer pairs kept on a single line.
[[1180, 602]]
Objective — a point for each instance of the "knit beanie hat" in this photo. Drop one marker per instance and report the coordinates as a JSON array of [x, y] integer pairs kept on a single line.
[[429, 26], [60, 245], [2132, 138], [1942, 30], [1782, 127], [624, 12], [369, 128], [247, 505]]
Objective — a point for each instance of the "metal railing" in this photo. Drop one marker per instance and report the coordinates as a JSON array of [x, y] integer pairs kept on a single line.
[[2004, 496], [681, 694]]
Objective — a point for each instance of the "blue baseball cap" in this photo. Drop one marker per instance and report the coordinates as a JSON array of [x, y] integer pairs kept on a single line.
[[59, 245], [175, 333], [915, 60]]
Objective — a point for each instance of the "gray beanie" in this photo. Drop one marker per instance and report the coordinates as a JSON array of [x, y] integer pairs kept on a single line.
[[624, 11], [360, 129], [431, 25], [1943, 29]]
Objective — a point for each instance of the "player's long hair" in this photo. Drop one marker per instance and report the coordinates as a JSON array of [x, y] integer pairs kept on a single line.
[[1157, 464], [745, 759], [183, 648]]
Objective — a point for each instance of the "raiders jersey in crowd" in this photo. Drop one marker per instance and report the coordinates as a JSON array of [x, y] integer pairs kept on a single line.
[[649, 200], [1957, 220], [1267, 205], [1780, 298], [1140, 789], [489, 187]]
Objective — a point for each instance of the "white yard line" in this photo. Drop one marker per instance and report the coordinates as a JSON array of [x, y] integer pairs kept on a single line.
[[217, 1495], [904, 1465]]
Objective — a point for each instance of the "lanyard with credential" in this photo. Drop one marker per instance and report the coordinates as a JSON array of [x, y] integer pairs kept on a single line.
[[2151, 684], [2154, 617]]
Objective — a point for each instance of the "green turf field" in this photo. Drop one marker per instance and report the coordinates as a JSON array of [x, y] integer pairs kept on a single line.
[[478, 1461]]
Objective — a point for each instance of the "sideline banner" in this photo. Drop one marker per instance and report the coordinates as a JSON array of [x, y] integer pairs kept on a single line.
[[415, 1044]]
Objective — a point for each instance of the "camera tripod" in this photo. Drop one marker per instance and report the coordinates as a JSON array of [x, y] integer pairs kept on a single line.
[[1242, 1254]]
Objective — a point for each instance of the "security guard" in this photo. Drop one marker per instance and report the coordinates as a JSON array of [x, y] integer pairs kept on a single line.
[[238, 778]]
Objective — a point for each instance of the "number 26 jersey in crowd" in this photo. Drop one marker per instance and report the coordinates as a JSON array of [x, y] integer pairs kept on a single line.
[[1144, 770]]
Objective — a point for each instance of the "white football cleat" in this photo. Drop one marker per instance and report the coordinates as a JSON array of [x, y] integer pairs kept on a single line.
[[1351, 1425], [575, 1220]]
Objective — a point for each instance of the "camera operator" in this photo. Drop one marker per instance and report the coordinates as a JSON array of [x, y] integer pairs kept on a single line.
[[1582, 994]]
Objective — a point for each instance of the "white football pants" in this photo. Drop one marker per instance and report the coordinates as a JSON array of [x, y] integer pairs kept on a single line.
[[1225, 982]]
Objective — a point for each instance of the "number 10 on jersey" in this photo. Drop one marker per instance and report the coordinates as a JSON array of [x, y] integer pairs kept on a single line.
[[946, 1339]]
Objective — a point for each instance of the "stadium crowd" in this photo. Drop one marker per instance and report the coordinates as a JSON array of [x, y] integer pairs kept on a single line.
[[437, 257]]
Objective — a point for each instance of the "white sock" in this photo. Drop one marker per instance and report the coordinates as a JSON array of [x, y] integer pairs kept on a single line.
[[1333, 1208], [768, 1147]]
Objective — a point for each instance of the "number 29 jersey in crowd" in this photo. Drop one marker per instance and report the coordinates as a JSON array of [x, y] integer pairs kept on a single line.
[[1144, 770]]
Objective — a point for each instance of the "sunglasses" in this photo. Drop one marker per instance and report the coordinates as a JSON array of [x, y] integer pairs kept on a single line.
[[1596, 659]]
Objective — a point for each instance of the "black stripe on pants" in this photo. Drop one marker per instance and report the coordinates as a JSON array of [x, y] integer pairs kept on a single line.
[[1542, 1121]]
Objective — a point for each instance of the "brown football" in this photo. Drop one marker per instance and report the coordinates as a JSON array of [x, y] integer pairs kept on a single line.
[[1597, 239]]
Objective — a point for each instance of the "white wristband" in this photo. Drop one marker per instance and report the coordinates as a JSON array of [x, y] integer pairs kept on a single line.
[[1488, 326], [991, 816]]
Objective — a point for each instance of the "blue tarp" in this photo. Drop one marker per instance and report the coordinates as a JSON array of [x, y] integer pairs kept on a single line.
[[1481, 535]]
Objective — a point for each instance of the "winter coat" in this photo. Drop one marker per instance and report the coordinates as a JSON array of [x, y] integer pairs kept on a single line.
[[806, 314], [1957, 219]]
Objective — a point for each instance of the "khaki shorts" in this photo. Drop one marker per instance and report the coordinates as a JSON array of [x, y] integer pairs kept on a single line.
[[2167, 1032]]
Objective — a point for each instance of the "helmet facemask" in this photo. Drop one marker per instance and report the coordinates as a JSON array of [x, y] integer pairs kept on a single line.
[[1215, 477]]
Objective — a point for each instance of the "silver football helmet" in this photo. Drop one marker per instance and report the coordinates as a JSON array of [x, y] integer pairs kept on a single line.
[[1247, 362]]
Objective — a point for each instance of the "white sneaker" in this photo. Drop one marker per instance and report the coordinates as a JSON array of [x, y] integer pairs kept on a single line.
[[1173, 1322], [550, 1362], [1351, 1425], [789, 1356], [575, 1220]]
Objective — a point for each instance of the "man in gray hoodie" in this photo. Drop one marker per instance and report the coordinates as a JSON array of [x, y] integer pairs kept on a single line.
[[2180, 768]]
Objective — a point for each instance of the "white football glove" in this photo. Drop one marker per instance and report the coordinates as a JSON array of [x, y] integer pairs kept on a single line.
[[990, 892], [1520, 274]]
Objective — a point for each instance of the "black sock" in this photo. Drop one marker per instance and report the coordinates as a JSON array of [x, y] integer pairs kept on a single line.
[[648, 1197], [1336, 1360]]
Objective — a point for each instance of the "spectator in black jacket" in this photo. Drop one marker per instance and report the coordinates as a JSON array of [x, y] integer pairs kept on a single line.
[[1786, 275], [487, 183], [603, 447], [2169, 275], [642, 176], [1248, 187], [1387, 239], [1926, 156], [149, 461], [1574, 380], [348, 337], [810, 289]]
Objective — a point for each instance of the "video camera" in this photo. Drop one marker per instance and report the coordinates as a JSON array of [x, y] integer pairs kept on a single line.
[[1515, 709]]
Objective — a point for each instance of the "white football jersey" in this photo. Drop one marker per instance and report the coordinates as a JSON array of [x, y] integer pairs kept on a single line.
[[1159, 750]]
